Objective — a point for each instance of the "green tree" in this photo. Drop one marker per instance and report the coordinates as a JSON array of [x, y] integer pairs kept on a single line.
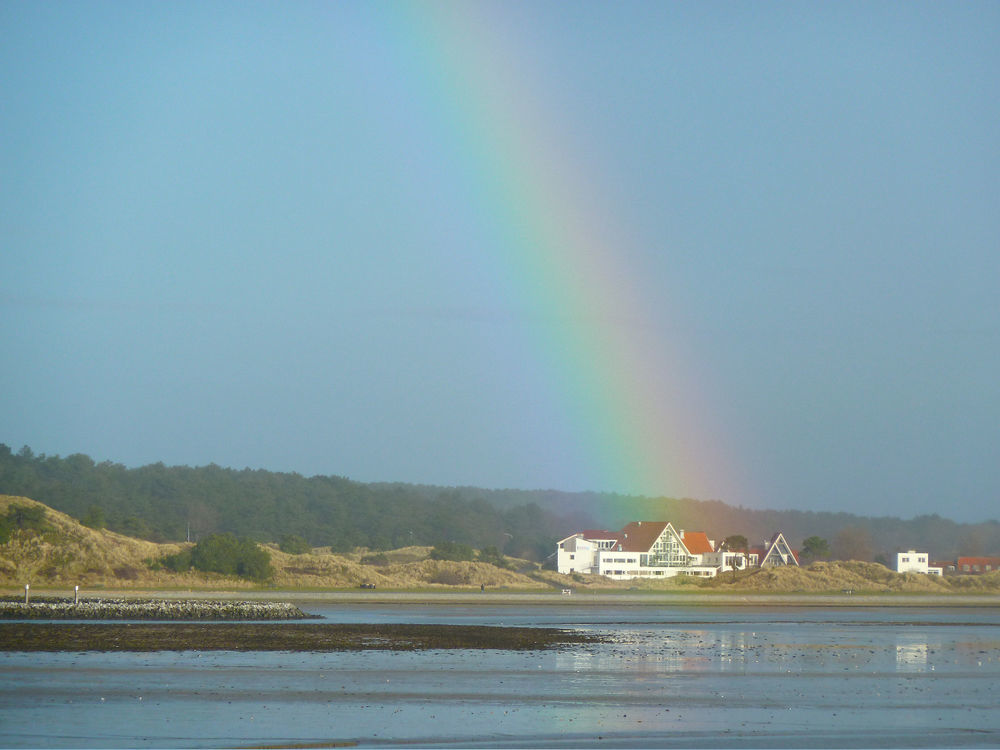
[[95, 517], [736, 543], [815, 548]]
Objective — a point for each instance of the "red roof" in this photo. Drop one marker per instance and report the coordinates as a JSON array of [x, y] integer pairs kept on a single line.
[[599, 534], [980, 561], [639, 536], [697, 542]]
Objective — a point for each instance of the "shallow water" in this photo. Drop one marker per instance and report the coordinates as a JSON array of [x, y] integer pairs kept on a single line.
[[678, 676]]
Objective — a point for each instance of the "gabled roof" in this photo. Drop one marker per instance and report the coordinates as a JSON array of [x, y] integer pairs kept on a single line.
[[639, 536], [778, 546], [697, 542]]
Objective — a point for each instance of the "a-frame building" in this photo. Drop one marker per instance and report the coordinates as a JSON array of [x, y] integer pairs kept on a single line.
[[778, 553]]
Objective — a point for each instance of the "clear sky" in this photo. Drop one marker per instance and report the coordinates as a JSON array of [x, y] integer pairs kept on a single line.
[[735, 251]]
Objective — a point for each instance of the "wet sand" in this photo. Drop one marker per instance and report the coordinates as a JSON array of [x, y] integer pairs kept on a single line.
[[821, 677], [149, 637]]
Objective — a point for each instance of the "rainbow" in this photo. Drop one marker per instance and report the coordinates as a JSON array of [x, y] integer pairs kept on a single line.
[[629, 388]]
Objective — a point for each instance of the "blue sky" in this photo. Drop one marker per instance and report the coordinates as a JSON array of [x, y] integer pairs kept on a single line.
[[242, 233]]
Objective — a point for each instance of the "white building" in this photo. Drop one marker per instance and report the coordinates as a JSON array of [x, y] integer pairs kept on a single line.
[[643, 549], [578, 553], [912, 561], [776, 553]]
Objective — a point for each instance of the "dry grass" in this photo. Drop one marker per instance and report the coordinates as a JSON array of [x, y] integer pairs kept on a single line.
[[859, 577], [71, 554]]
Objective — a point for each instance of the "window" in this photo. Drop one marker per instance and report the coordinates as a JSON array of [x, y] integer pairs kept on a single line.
[[572, 557]]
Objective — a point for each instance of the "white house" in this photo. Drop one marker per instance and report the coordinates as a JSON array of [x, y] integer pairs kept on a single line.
[[643, 549], [578, 553], [776, 553], [912, 561]]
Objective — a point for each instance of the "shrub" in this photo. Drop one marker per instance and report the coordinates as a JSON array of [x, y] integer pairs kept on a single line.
[[226, 554], [294, 545], [22, 517], [452, 551], [492, 556], [379, 559]]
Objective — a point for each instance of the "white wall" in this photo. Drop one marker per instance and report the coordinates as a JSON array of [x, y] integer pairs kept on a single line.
[[912, 561]]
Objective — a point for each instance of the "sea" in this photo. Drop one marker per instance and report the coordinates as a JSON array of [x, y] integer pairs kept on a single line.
[[667, 676]]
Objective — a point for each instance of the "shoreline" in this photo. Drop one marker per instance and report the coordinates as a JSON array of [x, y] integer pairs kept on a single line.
[[553, 598]]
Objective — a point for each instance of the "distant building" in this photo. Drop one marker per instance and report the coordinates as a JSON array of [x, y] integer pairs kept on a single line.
[[774, 553], [977, 565], [579, 553], [912, 561], [643, 549], [655, 549]]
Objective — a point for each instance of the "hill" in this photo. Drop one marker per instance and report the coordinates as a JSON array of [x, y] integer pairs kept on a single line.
[[169, 504], [53, 550], [62, 552]]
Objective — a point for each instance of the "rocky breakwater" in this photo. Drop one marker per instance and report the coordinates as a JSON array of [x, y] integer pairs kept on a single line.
[[147, 609]]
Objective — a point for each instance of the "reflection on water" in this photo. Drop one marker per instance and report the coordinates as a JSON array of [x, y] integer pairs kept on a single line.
[[912, 654], [804, 678]]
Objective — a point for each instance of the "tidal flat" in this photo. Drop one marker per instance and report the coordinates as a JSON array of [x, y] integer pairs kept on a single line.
[[150, 637], [655, 676]]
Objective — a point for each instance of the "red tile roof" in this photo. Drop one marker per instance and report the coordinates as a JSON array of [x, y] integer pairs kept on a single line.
[[982, 562], [697, 542]]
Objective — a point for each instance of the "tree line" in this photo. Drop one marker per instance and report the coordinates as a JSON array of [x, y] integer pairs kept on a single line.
[[175, 503]]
